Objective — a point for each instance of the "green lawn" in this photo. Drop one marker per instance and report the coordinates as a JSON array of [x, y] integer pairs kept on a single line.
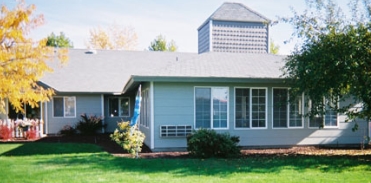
[[68, 162]]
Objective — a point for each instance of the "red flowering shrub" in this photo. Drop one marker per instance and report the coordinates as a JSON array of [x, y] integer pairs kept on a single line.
[[5, 132], [31, 134]]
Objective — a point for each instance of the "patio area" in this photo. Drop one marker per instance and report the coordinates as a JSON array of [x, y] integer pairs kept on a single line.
[[21, 129]]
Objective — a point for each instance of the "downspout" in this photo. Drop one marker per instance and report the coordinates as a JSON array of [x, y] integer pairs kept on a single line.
[[152, 126], [102, 111]]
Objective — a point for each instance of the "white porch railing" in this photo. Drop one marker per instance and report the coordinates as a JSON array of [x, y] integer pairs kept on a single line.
[[27, 128]]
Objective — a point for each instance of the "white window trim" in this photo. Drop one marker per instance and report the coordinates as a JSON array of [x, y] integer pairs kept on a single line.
[[211, 115], [288, 111], [323, 119], [64, 114], [250, 111], [119, 106]]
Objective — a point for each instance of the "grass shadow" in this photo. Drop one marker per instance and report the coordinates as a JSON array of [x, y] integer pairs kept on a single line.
[[44, 148]]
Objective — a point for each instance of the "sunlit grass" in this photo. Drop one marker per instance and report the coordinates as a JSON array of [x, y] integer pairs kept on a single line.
[[69, 162]]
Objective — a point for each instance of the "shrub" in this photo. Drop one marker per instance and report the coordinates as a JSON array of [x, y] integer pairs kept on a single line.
[[5, 132], [130, 138], [67, 130], [89, 125], [206, 143]]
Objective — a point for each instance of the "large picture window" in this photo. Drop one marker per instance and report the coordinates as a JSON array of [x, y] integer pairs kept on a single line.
[[64, 106], [250, 108], [119, 106], [285, 114], [211, 107]]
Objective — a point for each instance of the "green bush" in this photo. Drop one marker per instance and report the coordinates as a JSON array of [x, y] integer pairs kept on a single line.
[[206, 143], [67, 130], [89, 125], [128, 137]]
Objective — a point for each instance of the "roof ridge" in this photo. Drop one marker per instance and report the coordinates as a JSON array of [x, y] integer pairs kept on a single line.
[[253, 11], [222, 8], [242, 5]]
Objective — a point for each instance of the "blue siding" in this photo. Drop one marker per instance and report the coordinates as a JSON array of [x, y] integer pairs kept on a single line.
[[88, 104], [204, 38]]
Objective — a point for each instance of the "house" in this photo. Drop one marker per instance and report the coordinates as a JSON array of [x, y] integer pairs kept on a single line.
[[239, 93]]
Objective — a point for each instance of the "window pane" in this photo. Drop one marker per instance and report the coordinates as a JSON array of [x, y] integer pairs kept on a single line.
[[242, 103], [113, 107], [220, 105], [124, 106], [295, 113], [148, 109], [280, 108], [69, 106], [258, 108], [58, 106], [203, 107], [330, 115]]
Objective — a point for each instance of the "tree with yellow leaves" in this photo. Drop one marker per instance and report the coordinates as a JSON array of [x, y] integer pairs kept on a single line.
[[22, 60], [116, 37]]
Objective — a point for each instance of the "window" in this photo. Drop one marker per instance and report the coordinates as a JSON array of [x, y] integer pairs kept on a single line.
[[211, 107], [64, 106], [250, 108], [285, 114], [328, 120], [145, 111], [119, 106]]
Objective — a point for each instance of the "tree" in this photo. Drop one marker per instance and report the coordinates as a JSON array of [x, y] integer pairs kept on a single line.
[[273, 48], [334, 61], [115, 37], [22, 60], [160, 44], [60, 41]]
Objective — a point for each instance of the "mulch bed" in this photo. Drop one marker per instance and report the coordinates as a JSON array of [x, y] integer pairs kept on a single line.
[[111, 147]]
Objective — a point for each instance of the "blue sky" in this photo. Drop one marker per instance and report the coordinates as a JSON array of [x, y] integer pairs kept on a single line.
[[175, 19]]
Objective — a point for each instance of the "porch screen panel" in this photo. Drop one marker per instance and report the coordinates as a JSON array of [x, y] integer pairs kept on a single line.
[[280, 97], [242, 103], [258, 108], [203, 107], [220, 107]]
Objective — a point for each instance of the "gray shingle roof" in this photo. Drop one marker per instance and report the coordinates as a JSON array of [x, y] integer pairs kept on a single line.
[[109, 71], [225, 65]]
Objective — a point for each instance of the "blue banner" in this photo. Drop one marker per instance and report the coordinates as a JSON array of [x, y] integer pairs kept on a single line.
[[136, 113]]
